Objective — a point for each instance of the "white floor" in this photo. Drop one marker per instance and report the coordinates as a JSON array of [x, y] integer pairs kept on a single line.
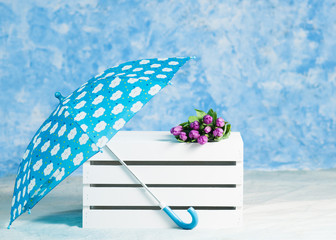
[[277, 205]]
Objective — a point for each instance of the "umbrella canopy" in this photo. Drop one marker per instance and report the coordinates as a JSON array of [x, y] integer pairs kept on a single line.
[[83, 123]]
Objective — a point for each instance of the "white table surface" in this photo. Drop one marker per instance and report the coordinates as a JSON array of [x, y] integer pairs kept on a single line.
[[277, 205]]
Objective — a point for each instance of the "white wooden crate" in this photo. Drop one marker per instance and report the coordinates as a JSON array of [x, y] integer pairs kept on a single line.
[[208, 178]]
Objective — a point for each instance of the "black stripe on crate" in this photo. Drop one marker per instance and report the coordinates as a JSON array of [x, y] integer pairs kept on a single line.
[[168, 185], [169, 163], [158, 208]]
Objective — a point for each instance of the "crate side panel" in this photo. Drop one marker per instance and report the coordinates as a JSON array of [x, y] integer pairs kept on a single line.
[[101, 174], [161, 146], [129, 196], [218, 219]]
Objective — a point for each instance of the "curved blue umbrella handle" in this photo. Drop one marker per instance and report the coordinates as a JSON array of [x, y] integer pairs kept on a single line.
[[179, 222]]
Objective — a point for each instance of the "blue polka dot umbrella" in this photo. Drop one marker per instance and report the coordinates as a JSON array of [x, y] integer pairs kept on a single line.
[[83, 123]]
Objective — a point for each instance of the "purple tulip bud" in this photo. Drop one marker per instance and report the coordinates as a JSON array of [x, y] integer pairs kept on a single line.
[[218, 132], [172, 130], [202, 140], [194, 134], [207, 119], [220, 122], [176, 130], [207, 129], [194, 125], [183, 136]]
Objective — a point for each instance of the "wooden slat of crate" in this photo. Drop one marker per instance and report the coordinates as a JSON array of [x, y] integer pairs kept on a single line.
[[158, 219], [175, 196], [94, 174], [162, 146]]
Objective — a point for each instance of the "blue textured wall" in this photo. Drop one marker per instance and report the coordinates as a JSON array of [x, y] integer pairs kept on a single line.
[[268, 67]]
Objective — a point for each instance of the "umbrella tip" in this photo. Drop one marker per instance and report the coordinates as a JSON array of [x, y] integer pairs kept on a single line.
[[29, 212], [59, 96], [9, 225]]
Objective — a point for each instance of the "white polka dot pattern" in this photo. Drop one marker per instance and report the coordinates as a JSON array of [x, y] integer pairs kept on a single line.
[[99, 112], [84, 122]]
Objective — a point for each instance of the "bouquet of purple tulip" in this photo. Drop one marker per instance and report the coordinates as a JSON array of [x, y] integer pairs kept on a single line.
[[203, 128]]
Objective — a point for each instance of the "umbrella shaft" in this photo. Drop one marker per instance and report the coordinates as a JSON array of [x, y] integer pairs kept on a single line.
[[144, 185]]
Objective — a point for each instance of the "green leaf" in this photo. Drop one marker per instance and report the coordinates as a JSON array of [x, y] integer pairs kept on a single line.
[[179, 140], [225, 135], [210, 112], [228, 128], [227, 132], [192, 119], [187, 131], [214, 117], [200, 114], [213, 114], [224, 129], [184, 124]]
